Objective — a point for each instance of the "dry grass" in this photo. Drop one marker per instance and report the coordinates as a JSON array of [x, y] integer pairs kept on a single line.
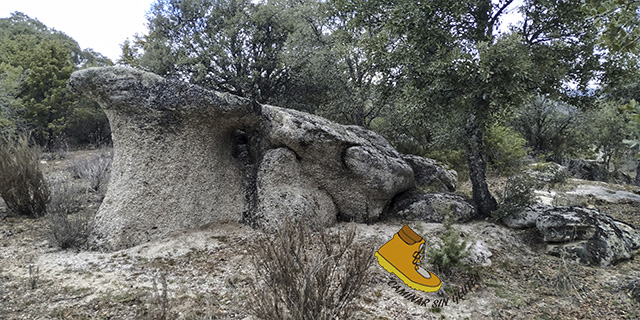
[[95, 170], [66, 197], [158, 303], [69, 231], [67, 224], [306, 274], [22, 184]]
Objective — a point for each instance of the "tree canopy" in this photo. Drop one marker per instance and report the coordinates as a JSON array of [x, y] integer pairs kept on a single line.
[[35, 64]]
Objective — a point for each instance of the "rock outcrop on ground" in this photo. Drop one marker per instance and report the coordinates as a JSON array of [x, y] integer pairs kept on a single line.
[[432, 207], [593, 170], [185, 157], [585, 235]]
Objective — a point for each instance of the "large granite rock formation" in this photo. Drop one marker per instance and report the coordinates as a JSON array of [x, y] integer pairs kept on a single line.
[[185, 157]]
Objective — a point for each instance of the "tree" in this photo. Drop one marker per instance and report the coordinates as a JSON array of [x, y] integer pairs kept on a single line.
[[35, 64], [362, 84], [452, 61], [633, 108], [10, 82], [228, 45], [619, 22]]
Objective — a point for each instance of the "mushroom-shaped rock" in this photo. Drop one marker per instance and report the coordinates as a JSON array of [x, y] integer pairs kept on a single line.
[[185, 157]]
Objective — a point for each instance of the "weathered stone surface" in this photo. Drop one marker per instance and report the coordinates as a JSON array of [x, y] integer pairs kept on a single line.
[[430, 175], [633, 289], [357, 167], [479, 254], [595, 171], [285, 192], [547, 172], [170, 171], [527, 218], [185, 157], [583, 194], [432, 207], [587, 235]]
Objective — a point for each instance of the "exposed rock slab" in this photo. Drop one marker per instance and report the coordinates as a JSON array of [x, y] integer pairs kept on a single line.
[[584, 193], [479, 254], [185, 157], [587, 235], [432, 207]]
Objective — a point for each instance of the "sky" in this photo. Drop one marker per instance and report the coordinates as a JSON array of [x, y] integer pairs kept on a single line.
[[104, 25], [100, 25]]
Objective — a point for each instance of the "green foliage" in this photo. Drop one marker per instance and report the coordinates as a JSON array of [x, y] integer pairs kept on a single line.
[[10, 82], [506, 149], [22, 185], [551, 127], [633, 110], [618, 21], [452, 250], [607, 128], [35, 64], [516, 196], [227, 45]]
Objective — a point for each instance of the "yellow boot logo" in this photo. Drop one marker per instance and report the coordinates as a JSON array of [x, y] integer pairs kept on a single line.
[[401, 256]]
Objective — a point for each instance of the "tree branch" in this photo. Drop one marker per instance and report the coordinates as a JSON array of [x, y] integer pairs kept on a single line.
[[495, 17]]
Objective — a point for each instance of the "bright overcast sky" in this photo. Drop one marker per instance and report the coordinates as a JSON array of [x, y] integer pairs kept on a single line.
[[100, 25], [105, 25]]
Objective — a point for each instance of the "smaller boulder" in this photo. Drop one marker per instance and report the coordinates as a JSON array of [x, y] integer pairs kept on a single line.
[[479, 254], [547, 172], [432, 207], [285, 193], [589, 236], [431, 175]]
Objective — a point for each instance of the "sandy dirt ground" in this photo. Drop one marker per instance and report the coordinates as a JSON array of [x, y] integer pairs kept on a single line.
[[208, 275]]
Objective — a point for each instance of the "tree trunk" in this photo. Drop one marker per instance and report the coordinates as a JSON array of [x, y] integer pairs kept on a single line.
[[484, 201], [638, 174]]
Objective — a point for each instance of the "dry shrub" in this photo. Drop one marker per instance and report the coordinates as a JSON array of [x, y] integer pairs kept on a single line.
[[69, 230], [306, 274], [66, 197], [22, 184], [67, 224], [95, 170]]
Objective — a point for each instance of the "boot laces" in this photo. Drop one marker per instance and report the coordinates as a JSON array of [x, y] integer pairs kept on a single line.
[[417, 256]]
